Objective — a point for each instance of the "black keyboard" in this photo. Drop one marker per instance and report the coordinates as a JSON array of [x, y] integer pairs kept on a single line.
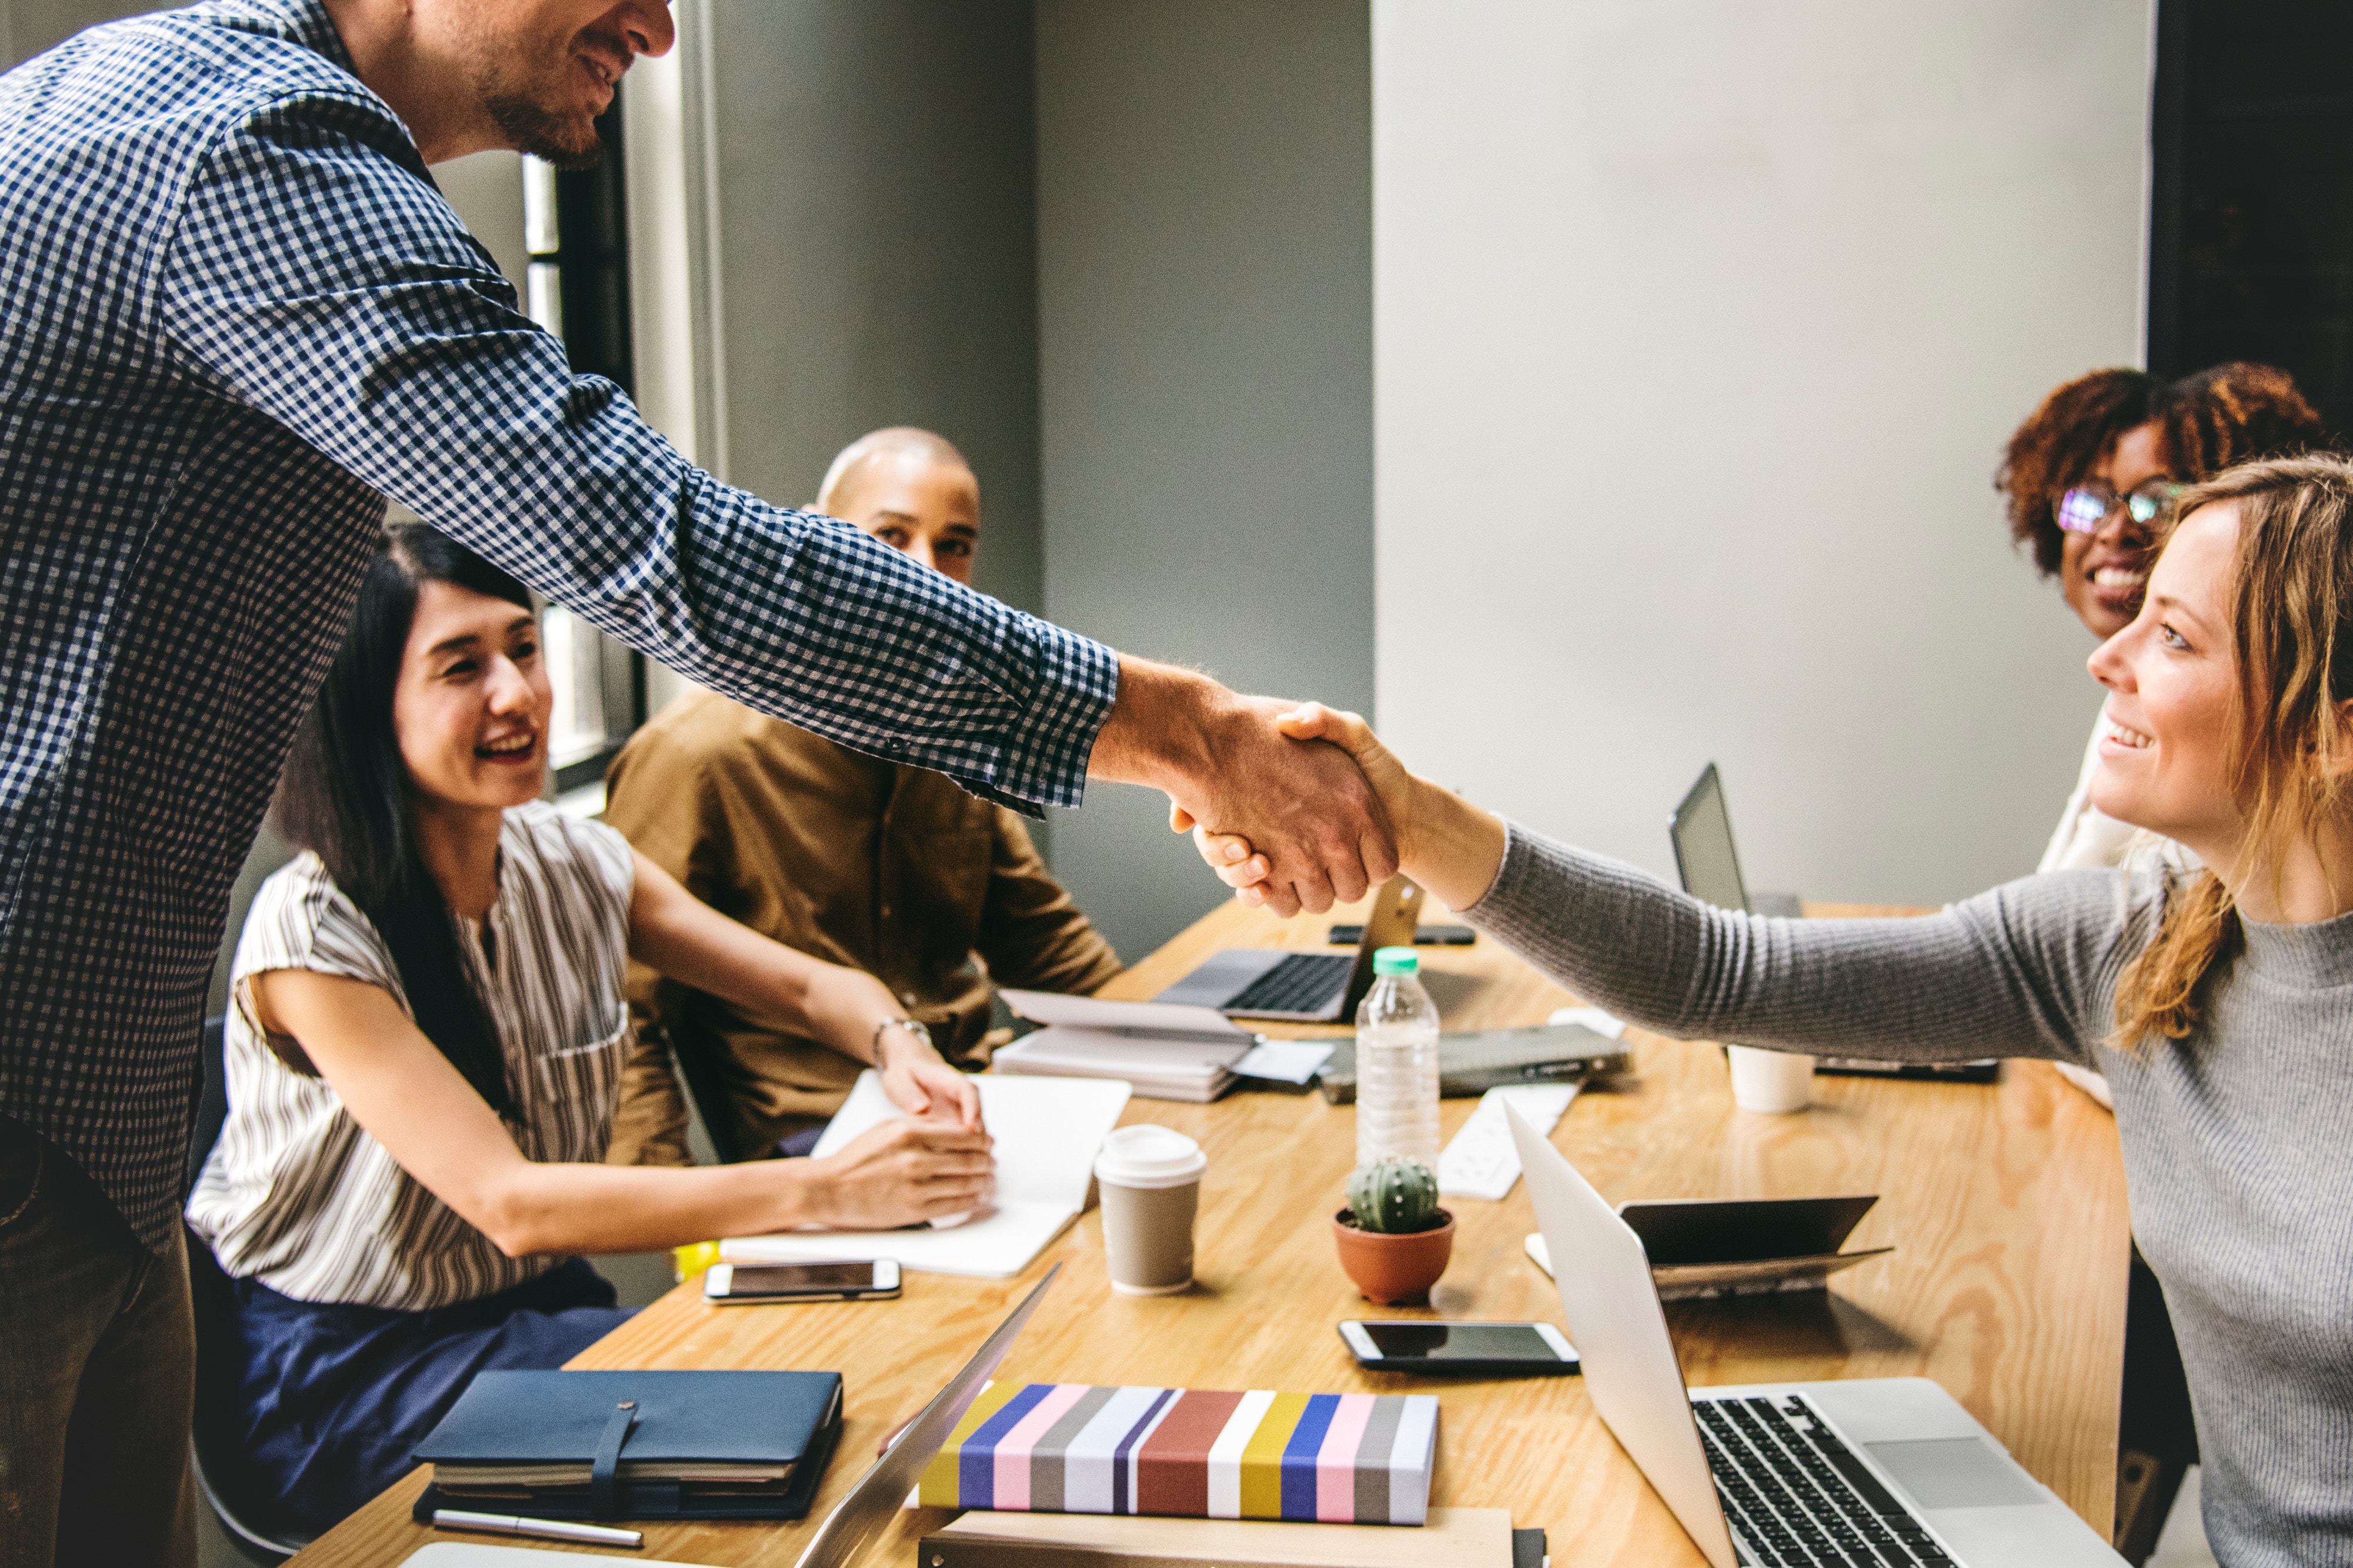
[[1794, 1493], [1303, 983]]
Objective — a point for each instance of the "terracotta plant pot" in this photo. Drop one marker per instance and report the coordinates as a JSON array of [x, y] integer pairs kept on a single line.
[[1393, 1269]]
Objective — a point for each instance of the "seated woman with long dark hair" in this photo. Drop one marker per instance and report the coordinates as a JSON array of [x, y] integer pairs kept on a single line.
[[2216, 1000], [424, 1044]]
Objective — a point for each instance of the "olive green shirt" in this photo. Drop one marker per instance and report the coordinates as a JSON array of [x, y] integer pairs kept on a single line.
[[859, 861]]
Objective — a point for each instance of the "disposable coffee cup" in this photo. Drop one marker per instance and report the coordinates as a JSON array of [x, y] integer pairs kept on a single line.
[[1150, 1179], [1771, 1081]]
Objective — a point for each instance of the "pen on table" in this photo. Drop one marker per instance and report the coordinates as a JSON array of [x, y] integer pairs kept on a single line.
[[545, 1528]]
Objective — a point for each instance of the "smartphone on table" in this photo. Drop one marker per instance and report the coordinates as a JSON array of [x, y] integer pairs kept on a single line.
[[744, 1284], [1440, 1348]]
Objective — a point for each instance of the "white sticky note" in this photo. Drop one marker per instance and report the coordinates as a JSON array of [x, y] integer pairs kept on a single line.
[[1481, 1160], [1292, 1061], [1593, 1018]]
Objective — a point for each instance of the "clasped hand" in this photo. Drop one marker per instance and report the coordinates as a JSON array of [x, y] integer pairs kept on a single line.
[[1316, 822], [1444, 842]]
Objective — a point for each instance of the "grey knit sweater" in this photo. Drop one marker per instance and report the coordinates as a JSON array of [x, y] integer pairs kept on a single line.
[[2238, 1141]]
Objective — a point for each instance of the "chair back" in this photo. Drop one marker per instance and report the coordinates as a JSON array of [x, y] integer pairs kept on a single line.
[[247, 1509], [708, 1092]]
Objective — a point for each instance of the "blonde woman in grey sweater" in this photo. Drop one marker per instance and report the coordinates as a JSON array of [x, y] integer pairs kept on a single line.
[[2219, 1001]]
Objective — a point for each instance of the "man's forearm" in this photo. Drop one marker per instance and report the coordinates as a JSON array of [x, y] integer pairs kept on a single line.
[[1159, 729], [1220, 760]]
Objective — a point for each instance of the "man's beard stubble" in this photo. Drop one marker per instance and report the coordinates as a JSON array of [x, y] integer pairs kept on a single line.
[[551, 138]]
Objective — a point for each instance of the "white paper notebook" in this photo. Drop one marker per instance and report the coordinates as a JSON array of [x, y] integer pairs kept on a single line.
[[1046, 1132], [1165, 1052]]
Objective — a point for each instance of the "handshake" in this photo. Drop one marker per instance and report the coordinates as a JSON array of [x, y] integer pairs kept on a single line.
[[1294, 806]]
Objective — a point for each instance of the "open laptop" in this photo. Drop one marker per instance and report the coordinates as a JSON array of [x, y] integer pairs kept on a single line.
[[1887, 1470], [1700, 828], [1305, 987], [1709, 865], [878, 1495]]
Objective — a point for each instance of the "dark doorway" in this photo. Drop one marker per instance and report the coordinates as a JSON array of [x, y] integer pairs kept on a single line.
[[2251, 233]]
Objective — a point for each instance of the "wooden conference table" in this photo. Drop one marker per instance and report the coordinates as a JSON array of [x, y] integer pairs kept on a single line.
[[2005, 1203]]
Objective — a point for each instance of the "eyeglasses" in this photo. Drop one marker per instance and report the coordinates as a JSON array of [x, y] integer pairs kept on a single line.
[[2085, 508]]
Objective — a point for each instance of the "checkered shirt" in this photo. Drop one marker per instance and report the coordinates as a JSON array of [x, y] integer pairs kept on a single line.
[[235, 315]]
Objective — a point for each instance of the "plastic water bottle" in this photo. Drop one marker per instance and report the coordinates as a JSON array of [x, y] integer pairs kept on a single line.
[[1396, 1063]]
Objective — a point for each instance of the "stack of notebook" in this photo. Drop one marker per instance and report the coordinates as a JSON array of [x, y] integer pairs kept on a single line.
[[1337, 1458], [681, 1445], [1161, 1051], [1473, 1063]]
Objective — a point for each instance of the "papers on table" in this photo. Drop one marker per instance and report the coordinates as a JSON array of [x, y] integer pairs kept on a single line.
[[1046, 1132], [1165, 1052], [1592, 1018], [1482, 1162], [1292, 1061]]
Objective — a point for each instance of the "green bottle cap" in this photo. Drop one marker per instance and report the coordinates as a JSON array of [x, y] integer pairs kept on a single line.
[[1395, 961]]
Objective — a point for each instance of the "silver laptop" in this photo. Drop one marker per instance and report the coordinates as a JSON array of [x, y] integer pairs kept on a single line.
[[1887, 1470], [1701, 829], [878, 1495], [1305, 987]]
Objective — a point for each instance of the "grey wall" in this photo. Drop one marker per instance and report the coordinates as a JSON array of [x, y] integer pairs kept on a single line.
[[877, 254], [1700, 326], [1205, 332], [486, 190], [28, 27]]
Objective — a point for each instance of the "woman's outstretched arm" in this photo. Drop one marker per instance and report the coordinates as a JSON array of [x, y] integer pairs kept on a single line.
[[2027, 970]]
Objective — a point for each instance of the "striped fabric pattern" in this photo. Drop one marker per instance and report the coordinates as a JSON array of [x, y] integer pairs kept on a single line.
[[297, 1195], [1072, 1448]]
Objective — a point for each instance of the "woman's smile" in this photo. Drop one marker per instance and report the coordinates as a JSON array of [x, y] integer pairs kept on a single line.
[[510, 750], [2116, 737]]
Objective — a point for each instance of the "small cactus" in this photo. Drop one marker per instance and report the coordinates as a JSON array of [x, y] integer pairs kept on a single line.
[[1394, 1197]]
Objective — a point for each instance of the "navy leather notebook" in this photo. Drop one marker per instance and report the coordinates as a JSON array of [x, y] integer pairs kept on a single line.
[[635, 1444]]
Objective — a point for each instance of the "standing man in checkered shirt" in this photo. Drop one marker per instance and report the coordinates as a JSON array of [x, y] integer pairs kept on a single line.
[[238, 314]]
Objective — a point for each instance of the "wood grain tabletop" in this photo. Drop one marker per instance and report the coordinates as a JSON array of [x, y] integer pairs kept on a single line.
[[2005, 1203]]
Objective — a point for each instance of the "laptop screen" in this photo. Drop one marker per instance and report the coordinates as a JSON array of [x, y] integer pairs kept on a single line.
[[1702, 830]]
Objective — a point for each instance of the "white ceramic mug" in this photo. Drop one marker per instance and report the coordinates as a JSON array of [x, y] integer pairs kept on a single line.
[[1771, 1081]]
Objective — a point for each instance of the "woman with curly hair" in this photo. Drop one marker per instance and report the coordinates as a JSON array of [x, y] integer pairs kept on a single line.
[[2089, 476]]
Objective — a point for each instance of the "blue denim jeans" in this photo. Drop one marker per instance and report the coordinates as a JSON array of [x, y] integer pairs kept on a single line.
[[97, 1374]]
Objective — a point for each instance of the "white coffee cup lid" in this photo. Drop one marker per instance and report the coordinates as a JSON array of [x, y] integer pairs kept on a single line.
[[1150, 1156]]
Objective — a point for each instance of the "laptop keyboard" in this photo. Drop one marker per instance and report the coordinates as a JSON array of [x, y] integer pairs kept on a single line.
[[1303, 983], [1794, 1493]]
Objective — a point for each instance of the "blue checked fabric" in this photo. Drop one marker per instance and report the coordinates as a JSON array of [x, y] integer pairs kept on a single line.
[[235, 314]]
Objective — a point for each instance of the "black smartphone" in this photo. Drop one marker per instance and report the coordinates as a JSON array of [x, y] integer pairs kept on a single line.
[[1437, 1348], [1423, 936], [736, 1285]]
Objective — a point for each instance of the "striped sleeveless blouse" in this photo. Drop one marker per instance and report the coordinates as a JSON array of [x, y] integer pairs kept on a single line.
[[296, 1195]]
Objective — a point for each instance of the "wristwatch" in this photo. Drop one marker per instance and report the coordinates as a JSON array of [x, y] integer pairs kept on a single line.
[[914, 1027]]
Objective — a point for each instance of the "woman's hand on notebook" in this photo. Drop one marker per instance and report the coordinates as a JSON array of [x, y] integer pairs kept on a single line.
[[922, 1085], [901, 1173]]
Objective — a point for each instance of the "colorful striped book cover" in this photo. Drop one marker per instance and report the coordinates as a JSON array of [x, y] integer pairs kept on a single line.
[[1072, 1448]]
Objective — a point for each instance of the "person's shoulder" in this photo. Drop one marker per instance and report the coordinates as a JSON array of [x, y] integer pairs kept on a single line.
[[298, 914], [704, 735], [157, 95], [302, 884], [232, 58], [2096, 906]]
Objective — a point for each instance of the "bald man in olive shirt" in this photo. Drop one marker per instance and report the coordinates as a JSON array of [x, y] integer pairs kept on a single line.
[[857, 861]]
